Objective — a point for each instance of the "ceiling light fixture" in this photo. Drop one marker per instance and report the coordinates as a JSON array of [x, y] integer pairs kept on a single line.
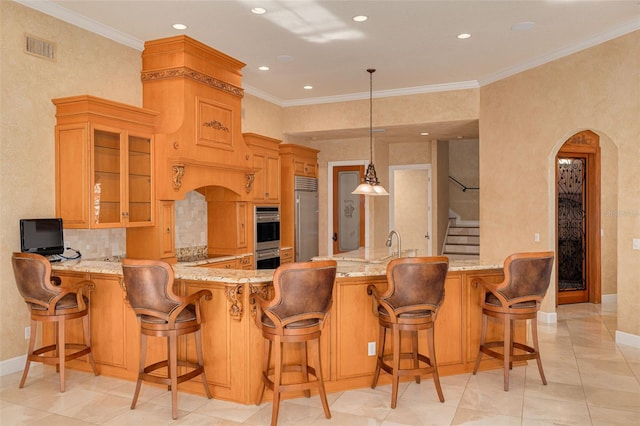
[[308, 87], [263, 68], [179, 26], [371, 184], [360, 18], [463, 36], [259, 10]]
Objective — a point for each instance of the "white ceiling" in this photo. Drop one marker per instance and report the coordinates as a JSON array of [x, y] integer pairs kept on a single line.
[[412, 44]]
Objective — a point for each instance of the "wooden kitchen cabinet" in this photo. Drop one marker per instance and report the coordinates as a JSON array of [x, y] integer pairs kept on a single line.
[[155, 242], [113, 326], [104, 162], [301, 160], [266, 161], [227, 227], [223, 264], [295, 160], [245, 262], [286, 255]]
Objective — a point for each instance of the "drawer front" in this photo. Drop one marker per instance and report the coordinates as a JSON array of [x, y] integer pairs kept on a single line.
[[227, 264]]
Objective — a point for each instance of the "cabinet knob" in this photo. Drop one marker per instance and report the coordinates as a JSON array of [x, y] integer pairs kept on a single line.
[[168, 230]]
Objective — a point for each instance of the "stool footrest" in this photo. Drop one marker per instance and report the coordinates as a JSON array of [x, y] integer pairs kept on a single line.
[[531, 352], [165, 380], [37, 356]]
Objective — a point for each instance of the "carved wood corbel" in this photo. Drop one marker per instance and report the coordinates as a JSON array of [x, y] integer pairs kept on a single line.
[[251, 177], [262, 291], [178, 173], [234, 295]]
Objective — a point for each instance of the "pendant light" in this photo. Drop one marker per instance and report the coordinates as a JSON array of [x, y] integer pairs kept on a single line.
[[371, 184]]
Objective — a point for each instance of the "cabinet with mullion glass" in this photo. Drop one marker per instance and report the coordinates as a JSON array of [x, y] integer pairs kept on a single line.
[[113, 185]]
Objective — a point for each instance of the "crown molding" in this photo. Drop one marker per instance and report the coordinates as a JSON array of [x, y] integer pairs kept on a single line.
[[446, 87], [52, 9], [631, 26]]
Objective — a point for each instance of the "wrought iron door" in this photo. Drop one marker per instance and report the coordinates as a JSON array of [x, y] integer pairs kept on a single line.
[[572, 220]]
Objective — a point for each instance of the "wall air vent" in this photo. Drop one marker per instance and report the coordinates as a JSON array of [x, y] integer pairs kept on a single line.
[[39, 47]]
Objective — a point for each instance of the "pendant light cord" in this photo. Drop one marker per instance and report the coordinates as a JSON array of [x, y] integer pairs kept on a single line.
[[371, 71]]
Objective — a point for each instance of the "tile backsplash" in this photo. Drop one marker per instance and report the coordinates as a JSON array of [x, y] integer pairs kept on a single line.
[[190, 233], [96, 243], [191, 221]]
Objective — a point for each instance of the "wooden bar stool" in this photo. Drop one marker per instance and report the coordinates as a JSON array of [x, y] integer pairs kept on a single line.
[[516, 298], [410, 304], [303, 294], [148, 285], [49, 303]]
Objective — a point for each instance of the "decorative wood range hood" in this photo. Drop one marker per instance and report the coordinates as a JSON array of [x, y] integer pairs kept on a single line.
[[197, 93], [199, 145]]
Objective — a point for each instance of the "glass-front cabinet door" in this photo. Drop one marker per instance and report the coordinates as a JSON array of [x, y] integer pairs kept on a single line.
[[140, 161], [107, 186], [122, 182]]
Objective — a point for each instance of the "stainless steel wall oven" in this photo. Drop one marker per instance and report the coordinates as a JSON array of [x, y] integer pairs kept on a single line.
[[267, 237]]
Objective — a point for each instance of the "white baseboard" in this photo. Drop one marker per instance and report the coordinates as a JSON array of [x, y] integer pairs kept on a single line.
[[548, 317], [628, 339], [609, 298], [13, 365]]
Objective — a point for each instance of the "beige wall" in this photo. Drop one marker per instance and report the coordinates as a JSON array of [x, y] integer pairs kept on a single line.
[[525, 119], [262, 117], [86, 63], [414, 109]]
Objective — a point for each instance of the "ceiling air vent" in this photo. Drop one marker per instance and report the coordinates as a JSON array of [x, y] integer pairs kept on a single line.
[[38, 47]]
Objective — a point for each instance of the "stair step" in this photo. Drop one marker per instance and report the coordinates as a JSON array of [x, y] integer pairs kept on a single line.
[[464, 230], [461, 249], [463, 239], [454, 256]]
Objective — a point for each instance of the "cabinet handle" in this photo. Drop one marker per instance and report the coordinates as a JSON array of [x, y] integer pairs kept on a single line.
[[168, 230]]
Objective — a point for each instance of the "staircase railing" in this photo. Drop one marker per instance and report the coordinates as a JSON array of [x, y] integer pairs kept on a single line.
[[461, 185]]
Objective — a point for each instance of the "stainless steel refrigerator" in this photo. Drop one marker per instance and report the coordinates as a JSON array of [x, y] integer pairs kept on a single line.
[[306, 218]]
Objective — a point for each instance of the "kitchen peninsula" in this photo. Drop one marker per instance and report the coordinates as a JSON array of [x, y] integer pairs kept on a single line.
[[233, 344]]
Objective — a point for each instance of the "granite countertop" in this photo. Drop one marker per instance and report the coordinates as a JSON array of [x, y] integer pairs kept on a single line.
[[358, 263], [182, 270], [373, 261]]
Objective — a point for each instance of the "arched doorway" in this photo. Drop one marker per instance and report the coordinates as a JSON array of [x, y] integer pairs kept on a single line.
[[578, 219]]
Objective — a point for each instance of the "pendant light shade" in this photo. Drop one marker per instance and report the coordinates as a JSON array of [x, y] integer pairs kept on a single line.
[[371, 184]]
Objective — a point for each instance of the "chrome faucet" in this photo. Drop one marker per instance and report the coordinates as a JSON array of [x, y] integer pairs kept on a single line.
[[390, 237]]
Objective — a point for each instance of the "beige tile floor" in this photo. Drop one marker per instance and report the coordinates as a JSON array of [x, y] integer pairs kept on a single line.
[[591, 381]]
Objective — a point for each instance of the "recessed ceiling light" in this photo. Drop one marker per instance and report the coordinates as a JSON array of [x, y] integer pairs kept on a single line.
[[463, 36], [523, 26], [424, 133], [259, 10], [360, 18], [263, 68], [179, 26], [308, 87]]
